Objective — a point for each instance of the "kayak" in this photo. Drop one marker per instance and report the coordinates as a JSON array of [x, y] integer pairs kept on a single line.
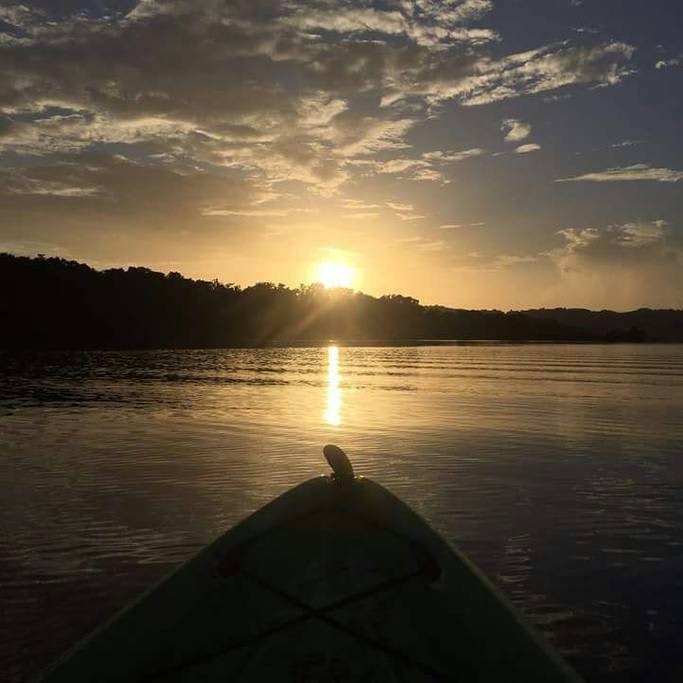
[[335, 580]]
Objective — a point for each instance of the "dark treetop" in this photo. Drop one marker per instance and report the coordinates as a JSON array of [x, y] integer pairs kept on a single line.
[[55, 303]]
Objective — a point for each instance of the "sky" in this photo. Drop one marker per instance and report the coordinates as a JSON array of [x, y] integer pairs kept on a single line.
[[501, 154]]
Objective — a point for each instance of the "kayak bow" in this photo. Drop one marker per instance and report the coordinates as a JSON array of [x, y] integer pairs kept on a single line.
[[337, 580]]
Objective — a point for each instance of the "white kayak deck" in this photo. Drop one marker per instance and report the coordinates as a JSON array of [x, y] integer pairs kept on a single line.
[[329, 582]]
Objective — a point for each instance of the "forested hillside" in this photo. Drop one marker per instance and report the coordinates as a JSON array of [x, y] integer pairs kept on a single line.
[[55, 303]]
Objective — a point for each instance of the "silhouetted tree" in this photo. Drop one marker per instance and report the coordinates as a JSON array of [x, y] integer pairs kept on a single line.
[[56, 303]]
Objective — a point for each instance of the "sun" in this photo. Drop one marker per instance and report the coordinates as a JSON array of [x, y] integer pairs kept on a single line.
[[335, 274]]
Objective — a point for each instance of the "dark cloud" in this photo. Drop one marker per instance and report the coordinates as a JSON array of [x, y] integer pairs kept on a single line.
[[77, 200], [263, 72], [621, 265], [615, 244]]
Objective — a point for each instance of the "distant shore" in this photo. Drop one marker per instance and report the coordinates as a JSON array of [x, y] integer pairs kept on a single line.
[[52, 303]]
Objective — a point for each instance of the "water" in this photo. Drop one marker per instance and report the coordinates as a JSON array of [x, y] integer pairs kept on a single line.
[[558, 469]]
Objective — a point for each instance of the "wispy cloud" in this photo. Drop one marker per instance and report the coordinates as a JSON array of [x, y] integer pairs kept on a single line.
[[400, 207], [409, 216], [359, 205], [626, 143], [361, 215], [255, 213], [454, 226], [668, 63], [525, 149], [628, 173], [405, 212], [302, 126], [546, 69], [51, 188], [441, 156], [424, 244], [515, 130], [429, 166]]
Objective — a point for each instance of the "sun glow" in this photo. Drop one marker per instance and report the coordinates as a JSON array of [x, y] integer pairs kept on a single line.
[[332, 414], [335, 274]]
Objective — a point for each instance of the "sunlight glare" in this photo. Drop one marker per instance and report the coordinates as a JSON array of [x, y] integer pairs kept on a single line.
[[335, 274], [332, 413]]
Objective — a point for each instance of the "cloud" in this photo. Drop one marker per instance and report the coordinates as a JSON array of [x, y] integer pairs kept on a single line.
[[128, 82], [347, 20], [628, 173], [525, 149], [542, 70], [400, 207], [186, 112], [506, 260], [408, 216], [424, 244], [405, 212], [254, 213], [361, 215], [515, 130], [476, 262], [668, 63], [439, 156], [453, 226], [619, 266], [428, 167], [113, 187], [359, 204], [396, 166], [431, 26], [626, 143], [615, 242], [21, 183], [17, 15], [406, 168]]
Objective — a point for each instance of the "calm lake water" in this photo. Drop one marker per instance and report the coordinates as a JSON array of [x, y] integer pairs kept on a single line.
[[557, 468]]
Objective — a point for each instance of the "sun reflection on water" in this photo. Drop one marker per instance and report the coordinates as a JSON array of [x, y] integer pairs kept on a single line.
[[332, 414]]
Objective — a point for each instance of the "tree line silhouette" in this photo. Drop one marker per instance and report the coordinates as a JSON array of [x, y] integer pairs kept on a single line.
[[56, 303]]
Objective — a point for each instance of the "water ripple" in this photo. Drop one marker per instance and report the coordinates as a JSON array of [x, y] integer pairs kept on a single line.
[[557, 468]]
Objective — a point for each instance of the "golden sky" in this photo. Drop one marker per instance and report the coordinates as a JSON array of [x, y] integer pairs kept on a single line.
[[472, 153]]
